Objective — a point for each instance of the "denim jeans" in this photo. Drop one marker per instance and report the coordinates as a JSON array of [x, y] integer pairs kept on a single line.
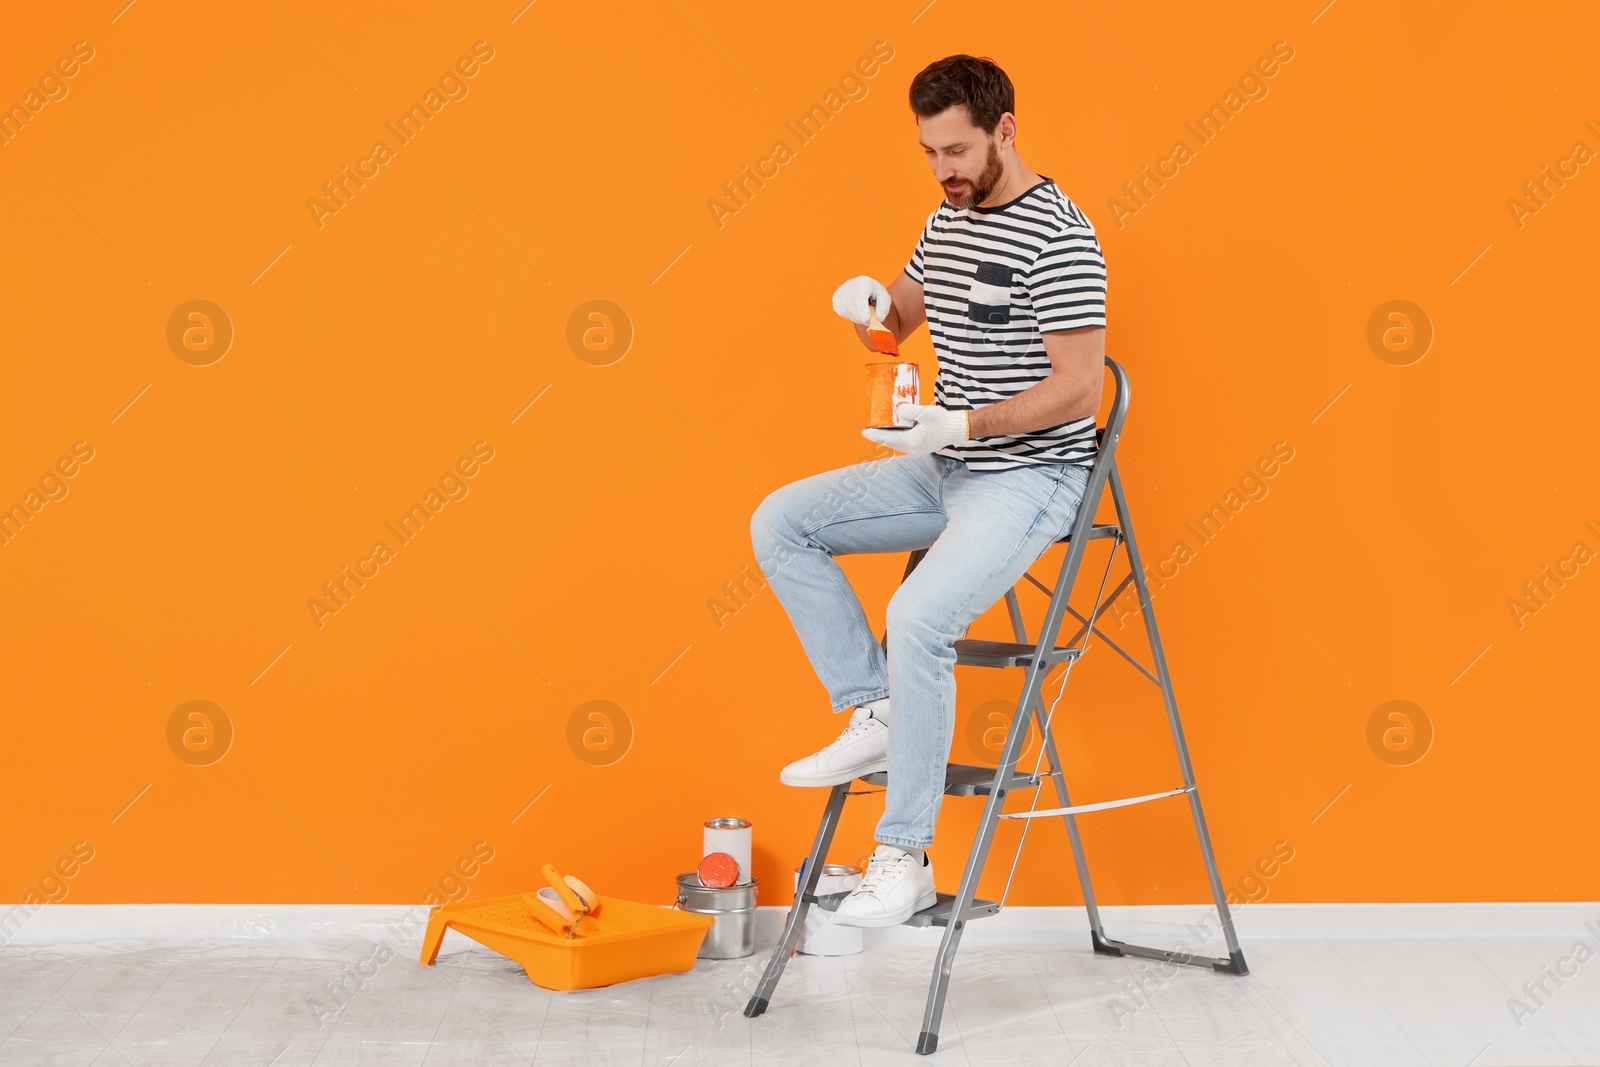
[[983, 530]]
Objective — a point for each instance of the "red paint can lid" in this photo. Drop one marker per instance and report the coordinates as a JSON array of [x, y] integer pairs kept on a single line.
[[718, 870]]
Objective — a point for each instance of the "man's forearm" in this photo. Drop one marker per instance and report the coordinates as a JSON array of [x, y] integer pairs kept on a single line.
[[1050, 402]]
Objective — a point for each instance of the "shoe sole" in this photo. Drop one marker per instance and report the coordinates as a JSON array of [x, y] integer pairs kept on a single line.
[[836, 779], [876, 922]]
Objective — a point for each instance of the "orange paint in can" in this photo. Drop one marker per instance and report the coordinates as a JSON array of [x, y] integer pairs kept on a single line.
[[890, 385]]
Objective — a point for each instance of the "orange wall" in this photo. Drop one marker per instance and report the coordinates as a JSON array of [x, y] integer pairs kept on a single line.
[[376, 346]]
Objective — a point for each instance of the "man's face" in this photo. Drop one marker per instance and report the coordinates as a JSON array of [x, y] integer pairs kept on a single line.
[[965, 160]]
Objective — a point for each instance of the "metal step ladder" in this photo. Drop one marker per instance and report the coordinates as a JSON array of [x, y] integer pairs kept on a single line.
[[952, 911]]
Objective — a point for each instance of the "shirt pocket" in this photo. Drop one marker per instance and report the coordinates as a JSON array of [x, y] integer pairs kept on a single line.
[[989, 299]]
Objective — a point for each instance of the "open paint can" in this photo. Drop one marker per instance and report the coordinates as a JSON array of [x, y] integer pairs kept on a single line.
[[733, 933], [821, 936], [890, 385]]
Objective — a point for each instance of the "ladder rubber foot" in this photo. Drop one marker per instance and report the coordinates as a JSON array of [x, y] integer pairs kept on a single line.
[[756, 1006], [927, 1042], [1235, 964], [1105, 946]]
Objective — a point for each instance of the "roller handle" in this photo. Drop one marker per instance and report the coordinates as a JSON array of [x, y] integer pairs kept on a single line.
[[568, 895], [545, 913]]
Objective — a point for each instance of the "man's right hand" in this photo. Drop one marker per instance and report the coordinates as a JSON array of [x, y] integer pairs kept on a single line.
[[850, 300]]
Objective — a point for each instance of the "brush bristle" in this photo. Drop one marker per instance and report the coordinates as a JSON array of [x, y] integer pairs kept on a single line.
[[883, 341]]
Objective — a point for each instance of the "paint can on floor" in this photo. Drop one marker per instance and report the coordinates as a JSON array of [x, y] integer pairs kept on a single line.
[[730, 836], [890, 385], [733, 934], [821, 936]]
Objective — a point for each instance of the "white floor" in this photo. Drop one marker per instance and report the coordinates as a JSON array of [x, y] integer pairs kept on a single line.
[[1025, 990]]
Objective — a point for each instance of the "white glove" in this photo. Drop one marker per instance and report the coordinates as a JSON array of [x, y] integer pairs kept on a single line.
[[850, 299], [932, 428]]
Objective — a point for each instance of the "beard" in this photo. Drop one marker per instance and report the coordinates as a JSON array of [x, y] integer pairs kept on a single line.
[[979, 190]]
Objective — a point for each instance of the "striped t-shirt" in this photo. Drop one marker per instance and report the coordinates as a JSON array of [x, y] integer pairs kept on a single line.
[[994, 280]]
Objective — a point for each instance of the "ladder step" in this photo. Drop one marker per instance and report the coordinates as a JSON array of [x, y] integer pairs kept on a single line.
[[938, 914], [965, 780], [1101, 806], [1096, 532], [974, 653]]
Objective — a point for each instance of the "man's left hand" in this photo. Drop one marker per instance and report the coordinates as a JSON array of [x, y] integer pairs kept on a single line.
[[931, 428]]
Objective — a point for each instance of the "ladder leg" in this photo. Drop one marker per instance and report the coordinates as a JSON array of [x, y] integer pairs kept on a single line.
[[928, 1039], [1236, 963], [1048, 738], [804, 897]]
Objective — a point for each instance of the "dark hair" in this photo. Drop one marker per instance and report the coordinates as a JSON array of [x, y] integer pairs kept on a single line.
[[977, 82]]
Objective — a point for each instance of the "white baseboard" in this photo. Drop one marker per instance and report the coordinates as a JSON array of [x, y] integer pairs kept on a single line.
[[1153, 924]]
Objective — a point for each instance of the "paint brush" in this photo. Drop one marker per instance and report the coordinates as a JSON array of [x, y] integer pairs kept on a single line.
[[878, 333]]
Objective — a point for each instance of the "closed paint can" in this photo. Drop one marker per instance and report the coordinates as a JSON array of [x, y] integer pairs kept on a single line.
[[731, 836], [889, 385], [733, 933], [821, 935]]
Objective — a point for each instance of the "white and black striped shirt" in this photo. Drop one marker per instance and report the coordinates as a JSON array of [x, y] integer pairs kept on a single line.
[[995, 280]]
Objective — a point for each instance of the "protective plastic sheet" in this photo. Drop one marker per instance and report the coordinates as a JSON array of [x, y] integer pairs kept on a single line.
[[1026, 989], [298, 991]]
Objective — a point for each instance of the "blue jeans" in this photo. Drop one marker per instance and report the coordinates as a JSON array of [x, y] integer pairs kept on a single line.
[[983, 530]]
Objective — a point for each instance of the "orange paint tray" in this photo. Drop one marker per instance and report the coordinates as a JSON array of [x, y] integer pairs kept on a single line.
[[630, 940]]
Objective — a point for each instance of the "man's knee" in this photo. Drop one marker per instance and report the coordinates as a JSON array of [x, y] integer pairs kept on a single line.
[[915, 616], [767, 521], [772, 530], [806, 505]]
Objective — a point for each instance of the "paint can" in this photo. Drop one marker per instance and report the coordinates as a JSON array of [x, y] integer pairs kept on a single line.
[[889, 385], [733, 933], [821, 936], [730, 836]]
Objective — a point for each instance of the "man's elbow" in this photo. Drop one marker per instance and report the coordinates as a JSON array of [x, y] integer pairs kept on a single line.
[[1080, 389]]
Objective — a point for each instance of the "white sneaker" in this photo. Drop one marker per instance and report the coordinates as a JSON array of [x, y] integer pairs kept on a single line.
[[862, 749], [895, 887]]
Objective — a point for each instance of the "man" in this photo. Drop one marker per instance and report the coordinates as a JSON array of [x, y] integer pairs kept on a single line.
[[1009, 277]]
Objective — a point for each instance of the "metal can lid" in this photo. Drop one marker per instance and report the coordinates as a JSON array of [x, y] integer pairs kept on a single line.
[[727, 824], [690, 880], [833, 870]]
